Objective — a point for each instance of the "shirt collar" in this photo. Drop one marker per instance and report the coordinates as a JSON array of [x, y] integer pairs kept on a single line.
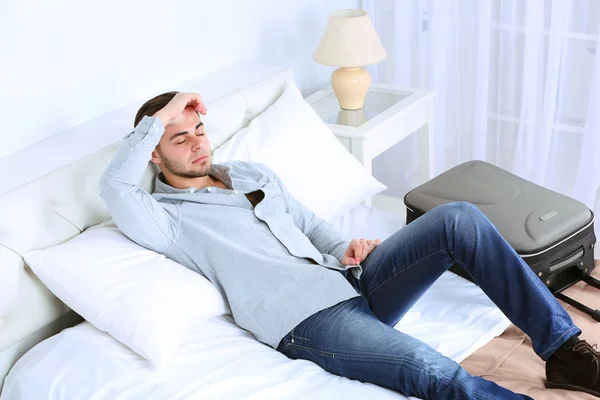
[[219, 171]]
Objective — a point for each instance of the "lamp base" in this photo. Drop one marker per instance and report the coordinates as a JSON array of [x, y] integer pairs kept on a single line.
[[350, 85]]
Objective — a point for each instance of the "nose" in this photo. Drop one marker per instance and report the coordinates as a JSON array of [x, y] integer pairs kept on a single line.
[[196, 143]]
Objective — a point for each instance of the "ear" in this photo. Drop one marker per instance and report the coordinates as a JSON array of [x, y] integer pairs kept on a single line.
[[155, 157]]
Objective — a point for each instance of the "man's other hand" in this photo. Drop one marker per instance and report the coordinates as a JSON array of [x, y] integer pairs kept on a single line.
[[190, 102], [358, 250]]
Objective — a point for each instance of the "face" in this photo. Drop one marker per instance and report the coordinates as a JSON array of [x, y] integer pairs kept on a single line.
[[180, 147]]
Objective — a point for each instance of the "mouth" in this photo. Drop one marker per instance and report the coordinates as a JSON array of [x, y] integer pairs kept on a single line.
[[200, 159]]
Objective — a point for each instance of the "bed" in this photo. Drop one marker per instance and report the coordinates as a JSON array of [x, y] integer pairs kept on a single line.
[[223, 361], [48, 351]]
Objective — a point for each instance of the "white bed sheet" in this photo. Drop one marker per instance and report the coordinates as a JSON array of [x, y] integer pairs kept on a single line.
[[219, 360]]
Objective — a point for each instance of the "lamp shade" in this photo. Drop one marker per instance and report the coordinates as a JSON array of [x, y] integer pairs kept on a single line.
[[350, 40]]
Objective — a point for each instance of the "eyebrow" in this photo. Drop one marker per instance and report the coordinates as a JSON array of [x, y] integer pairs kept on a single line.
[[185, 132]]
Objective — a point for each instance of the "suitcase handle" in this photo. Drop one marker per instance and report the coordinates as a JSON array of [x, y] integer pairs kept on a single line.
[[590, 280], [593, 313], [566, 260]]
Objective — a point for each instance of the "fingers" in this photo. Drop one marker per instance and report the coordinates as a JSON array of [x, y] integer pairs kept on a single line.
[[180, 104], [361, 249], [357, 248], [366, 249], [348, 257], [373, 244], [194, 100], [348, 261]]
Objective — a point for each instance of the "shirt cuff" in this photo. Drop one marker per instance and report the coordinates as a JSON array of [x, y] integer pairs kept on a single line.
[[150, 124]]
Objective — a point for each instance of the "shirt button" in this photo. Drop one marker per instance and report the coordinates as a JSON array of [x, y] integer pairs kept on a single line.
[[235, 192], [192, 190], [209, 190], [154, 125]]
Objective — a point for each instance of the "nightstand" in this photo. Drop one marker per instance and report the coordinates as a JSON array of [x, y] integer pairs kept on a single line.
[[390, 114]]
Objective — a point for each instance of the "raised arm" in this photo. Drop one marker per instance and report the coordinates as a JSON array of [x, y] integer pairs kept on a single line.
[[134, 210]]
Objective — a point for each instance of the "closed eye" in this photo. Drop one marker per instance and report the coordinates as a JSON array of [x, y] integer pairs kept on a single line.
[[184, 140], [200, 124]]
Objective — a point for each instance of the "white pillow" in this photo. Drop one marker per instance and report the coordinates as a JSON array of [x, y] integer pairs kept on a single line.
[[291, 139], [141, 298]]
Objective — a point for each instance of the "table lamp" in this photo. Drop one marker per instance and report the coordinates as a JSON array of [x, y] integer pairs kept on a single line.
[[350, 42]]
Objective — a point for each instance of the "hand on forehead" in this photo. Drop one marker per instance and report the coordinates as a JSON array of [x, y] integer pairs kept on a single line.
[[188, 116]]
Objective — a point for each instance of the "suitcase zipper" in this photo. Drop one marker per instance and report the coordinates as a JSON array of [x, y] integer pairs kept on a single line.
[[545, 250], [558, 243]]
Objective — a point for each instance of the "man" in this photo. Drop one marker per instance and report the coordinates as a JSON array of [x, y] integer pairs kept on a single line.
[[297, 286]]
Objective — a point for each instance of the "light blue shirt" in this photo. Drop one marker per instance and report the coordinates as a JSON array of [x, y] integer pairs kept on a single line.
[[275, 263]]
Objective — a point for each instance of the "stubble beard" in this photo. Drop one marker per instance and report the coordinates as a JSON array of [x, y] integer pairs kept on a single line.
[[175, 168]]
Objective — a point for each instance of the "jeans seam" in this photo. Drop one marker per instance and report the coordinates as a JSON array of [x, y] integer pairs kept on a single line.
[[543, 355], [321, 352], [296, 336], [354, 357], [402, 270], [285, 347]]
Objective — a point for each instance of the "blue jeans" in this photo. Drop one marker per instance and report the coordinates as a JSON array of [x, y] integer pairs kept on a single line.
[[356, 338]]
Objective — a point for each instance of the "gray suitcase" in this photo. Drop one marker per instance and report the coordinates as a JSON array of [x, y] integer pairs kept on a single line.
[[553, 233]]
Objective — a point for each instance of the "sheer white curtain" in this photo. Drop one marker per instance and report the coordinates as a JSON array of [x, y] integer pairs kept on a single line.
[[517, 82]]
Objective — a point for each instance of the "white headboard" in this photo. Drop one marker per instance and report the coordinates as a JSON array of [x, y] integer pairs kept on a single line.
[[59, 205]]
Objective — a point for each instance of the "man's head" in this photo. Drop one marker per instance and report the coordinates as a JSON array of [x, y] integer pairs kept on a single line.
[[182, 144]]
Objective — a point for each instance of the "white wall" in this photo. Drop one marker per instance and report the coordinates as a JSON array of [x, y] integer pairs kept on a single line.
[[65, 62]]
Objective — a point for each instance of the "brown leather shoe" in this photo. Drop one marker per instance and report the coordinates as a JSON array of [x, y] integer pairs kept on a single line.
[[575, 368]]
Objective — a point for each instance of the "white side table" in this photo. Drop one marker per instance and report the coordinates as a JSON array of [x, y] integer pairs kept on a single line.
[[389, 115]]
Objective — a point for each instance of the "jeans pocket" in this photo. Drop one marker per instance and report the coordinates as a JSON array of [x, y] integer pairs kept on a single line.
[[308, 352], [298, 339]]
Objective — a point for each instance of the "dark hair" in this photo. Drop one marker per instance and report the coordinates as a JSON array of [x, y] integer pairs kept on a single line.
[[153, 105]]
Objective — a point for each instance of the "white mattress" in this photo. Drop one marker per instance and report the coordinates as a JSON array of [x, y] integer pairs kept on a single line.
[[222, 361]]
